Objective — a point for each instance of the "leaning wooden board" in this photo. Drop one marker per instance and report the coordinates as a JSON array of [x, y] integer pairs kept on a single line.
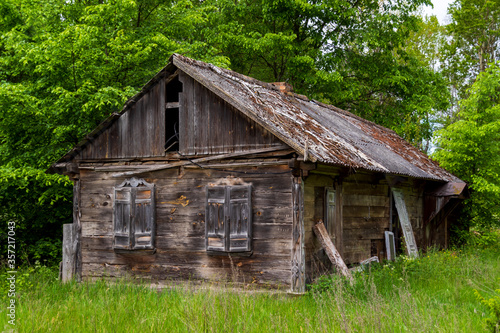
[[411, 245]]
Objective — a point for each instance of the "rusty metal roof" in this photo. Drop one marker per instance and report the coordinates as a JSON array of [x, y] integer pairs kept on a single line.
[[322, 132]]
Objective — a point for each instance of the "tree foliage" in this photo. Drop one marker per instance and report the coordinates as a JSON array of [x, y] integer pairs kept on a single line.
[[349, 53], [65, 65], [473, 43], [470, 148]]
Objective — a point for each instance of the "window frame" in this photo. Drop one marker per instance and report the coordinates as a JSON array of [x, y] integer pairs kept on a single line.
[[234, 203], [131, 212]]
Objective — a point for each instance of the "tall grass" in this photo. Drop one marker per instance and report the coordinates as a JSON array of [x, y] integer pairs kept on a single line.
[[435, 293]]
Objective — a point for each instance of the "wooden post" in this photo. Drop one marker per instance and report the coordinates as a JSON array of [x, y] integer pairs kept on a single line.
[[298, 283], [390, 246], [339, 219], [77, 231], [331, 251], [68, 253]]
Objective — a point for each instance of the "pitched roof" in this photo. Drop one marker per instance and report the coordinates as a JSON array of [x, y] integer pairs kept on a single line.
[[325, 133], [328, 134]]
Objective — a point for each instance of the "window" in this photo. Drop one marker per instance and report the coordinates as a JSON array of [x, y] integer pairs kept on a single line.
[[134, 215], [228, 225], [330, 209]]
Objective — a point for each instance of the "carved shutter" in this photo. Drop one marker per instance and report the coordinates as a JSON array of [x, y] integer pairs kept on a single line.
[[122, 217], [134, 215], [215, 219], [240, 218], [143, 217], [228, 218]]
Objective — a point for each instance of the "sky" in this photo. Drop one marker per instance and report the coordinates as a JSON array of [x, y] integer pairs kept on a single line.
[[439, 10]]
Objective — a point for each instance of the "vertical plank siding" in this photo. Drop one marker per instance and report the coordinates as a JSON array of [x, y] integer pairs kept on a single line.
[[139, 132], [211, 126], [180, 230]]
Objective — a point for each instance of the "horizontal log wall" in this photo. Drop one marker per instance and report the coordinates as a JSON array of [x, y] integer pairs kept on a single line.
[[317, 262], [180, 226], [365, 215]]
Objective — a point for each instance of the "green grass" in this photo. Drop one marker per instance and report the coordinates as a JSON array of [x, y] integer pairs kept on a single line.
[[435, 293]]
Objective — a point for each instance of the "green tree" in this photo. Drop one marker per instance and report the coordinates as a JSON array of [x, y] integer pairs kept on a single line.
[[470, 148], [349, 53], [473, 42], [64, 66]]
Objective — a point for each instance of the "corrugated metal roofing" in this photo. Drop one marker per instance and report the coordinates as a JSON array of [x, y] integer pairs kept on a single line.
[[325, 133], [329, 134]]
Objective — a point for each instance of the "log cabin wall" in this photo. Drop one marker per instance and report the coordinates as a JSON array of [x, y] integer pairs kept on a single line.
[[317, 262], [413, 191], [364, 216], [180, 229], [209, 125]]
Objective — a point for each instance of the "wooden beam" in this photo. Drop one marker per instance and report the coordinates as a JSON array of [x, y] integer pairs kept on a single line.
[[298, 282], [198, 160], [77, 229], [331, 251], [172, 105], [68, 253]]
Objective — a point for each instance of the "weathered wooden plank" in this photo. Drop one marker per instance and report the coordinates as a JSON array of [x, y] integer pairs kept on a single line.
[[272, 214], [77, 228], [365, 212], [411, 245], [197, 229], [351, 246], [152, 168], [69, 254], [195, 259], [331, 251], [298, 253], [185, 272], [366, 200], [390, 245], [264, 183], [183, 115], [365, 189], [380, 223], [363, 234], [260, 246], [268, 171]]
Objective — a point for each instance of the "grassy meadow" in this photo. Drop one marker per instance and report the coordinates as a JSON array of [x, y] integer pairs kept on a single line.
[[440, 292]]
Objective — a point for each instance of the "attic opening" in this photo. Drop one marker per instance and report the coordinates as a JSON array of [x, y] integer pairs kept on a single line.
[[172, 97]]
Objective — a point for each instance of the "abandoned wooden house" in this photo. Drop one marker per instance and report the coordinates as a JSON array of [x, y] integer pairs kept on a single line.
[[207, 174]]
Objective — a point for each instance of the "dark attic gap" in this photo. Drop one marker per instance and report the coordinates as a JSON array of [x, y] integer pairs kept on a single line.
[[173, 89]]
